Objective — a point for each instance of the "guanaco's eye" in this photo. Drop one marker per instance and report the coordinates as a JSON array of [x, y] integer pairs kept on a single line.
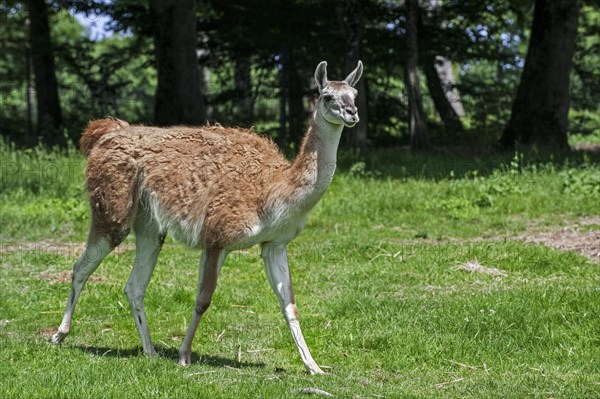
[[327, 97]]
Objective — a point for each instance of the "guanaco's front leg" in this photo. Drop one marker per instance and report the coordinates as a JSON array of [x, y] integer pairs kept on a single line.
[[278, 272], [210, 266]]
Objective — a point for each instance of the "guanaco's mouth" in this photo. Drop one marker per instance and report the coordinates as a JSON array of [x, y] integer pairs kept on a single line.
[[350, 120]]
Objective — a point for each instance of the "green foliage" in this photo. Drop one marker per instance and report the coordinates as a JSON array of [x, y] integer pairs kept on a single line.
[[487, 92], [585, 125], [586, 75], [583, 182], [13, 104], [113, 76], [359, 170], [455, 207]]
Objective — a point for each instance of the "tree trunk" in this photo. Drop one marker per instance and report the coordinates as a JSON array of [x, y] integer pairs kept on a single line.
[[49, 116], [445, 72], [350, 18], [445, 97], [243, 88], [282, 138], [440, 74], [179, 98], [416, 124], [539, 112], [28, 96], [297, 117]]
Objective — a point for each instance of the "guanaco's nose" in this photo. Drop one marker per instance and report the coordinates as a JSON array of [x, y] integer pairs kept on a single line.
[[351, 110]]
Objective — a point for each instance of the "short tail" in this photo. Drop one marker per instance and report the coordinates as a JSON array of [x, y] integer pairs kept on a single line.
[[96, 129]]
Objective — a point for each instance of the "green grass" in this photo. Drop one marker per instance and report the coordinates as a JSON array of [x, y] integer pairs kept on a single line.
[[381, 300]]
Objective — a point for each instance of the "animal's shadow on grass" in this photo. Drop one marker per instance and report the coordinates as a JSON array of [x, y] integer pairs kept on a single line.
[[400, 162], [169, 353]]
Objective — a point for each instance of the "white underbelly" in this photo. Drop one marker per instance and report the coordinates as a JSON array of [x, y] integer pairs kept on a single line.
[[262, 232]]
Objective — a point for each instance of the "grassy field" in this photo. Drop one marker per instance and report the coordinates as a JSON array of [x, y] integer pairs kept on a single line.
[[379, 273]]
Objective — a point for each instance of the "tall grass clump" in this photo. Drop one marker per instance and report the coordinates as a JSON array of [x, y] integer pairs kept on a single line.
[[41, 191]]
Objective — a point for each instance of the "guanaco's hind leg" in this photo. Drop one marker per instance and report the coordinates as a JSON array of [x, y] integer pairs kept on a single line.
[[111, 179], [96, 249], [148, 243]]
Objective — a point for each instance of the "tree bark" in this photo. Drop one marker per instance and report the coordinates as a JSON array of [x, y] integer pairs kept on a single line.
[[416, 124], [445, 97], [297, 117], [49, 115], [243, 88], [28, 96], [350, 15], [282, 138], [179, 98], [539, 112], [445, 72], [440, 74]]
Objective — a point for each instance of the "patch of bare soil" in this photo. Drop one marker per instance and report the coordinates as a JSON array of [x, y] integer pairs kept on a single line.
[[65, 277], [582, 237], [64, 249], [71, 249], [68, 249], [578, 238], [587, 147]]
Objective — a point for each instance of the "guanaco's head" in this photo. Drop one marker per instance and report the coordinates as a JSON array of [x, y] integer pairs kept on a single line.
[[336, 98]]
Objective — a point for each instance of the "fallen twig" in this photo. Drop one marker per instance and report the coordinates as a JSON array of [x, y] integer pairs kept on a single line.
[[444, 384], [476, 267], [311, 391], [467, 366], [201, 372]]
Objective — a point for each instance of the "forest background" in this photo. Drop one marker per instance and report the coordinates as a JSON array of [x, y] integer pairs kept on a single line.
[[471, 73]]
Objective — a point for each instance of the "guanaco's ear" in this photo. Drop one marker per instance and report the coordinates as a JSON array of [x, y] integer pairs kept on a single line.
[[355, 75], [321, 75]]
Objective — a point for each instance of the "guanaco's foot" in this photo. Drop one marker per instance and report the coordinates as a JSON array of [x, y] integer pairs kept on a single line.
[[314, 369], [151, 352], [58, 337], [185, 359]]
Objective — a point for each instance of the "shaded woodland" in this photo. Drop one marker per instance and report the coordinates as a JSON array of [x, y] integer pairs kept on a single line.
[[437, 73]]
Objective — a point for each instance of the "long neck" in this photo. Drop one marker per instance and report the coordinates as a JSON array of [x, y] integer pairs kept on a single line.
[[318, 155]]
